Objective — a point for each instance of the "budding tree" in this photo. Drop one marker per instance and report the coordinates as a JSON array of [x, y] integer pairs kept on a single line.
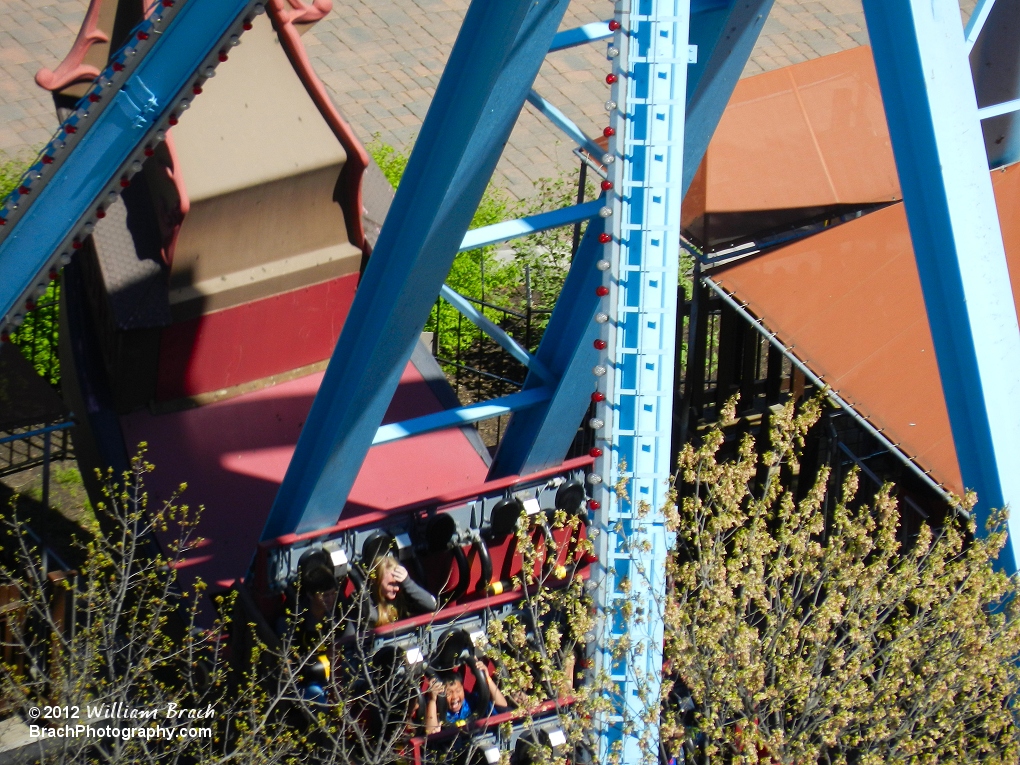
[[117, 640], [121, 634], [803, 639]]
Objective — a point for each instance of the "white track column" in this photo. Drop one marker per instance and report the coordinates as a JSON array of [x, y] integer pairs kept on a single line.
[[649, 78]]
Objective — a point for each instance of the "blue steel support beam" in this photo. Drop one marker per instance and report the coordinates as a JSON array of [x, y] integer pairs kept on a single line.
[[514, 229], [725, 34], [462, 415], [571, 38], [463, 305], [624, 293], [493, 64], [995, 65], [560, 120], [633, 543], [940, 157], [540, 437]]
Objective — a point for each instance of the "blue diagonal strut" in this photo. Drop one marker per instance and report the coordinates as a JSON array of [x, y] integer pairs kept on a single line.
[[494, 61], [564, 123], [508, 344], [464, 415], [571, 38], [930, 105], [976, 23], [987, 112], [514, 229]]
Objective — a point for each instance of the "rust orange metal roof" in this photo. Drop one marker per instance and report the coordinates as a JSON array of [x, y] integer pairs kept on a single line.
[[848, 303], [805, 136]]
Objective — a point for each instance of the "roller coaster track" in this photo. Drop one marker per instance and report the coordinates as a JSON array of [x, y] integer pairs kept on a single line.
[[106, 139]]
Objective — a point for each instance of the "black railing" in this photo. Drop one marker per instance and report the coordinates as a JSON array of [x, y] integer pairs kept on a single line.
[[729, 357], [478, 368], [24, 448]]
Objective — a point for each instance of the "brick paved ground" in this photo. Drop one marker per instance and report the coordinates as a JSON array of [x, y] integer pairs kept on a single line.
[[381, 61], [32, 34]]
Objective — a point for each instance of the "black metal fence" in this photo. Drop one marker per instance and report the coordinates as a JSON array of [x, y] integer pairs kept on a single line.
[[478, 368], [36, 429], [729, 357]]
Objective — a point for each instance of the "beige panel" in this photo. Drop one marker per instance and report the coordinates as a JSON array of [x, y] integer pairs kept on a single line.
[[253, 123], [202, 297], [260, 166], [257, 225]]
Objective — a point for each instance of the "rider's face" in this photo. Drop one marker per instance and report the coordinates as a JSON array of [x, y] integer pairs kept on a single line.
[[322, 603], [454, 696], [390, 586]]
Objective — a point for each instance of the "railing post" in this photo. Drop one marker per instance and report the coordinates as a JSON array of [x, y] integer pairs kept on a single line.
[[581, 181], [527, 304], [435, 335], [697, 338], [47, 435]]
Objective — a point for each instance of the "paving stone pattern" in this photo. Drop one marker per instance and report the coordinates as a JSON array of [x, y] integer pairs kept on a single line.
[[381, 61]]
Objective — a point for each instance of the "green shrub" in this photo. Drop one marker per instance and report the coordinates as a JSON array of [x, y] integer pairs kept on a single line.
[[37, 336], [10, 173], [542, 259]]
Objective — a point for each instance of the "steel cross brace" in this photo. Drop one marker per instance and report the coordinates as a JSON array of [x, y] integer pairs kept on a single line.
[[480, 320], [725, 34], [560, 120], [513, 229], [541, 435], [932, 112], [491, 68], [462, 415], [571, 38]]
